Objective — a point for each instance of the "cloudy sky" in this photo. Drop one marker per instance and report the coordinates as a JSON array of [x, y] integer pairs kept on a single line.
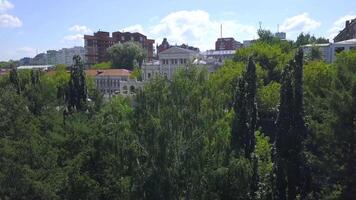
[[28, 27]]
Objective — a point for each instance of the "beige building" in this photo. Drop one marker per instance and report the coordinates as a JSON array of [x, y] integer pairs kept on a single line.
[[114, 81]]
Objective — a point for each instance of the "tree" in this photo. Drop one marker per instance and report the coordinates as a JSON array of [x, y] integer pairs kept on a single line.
[[343, 105], [245, 107], [128, 55], [243, 129], [76, 94], [14, 79], [291, 133], [304, 39], [314, 54]]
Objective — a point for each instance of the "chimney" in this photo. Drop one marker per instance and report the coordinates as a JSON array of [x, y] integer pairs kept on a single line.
[[347, 24]]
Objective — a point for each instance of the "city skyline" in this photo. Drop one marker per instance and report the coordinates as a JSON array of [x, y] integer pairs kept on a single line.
[[37, 26]]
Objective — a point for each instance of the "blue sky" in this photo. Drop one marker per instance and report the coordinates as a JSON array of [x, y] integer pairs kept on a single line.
[[31, 26]]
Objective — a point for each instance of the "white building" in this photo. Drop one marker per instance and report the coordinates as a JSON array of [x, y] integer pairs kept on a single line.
[[65, 55], [323, 48], [212, 56], [338, 47], [330, 50], [170, 61]]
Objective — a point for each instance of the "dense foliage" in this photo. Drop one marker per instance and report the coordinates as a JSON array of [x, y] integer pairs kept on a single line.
[[128, 55], [264, 126]]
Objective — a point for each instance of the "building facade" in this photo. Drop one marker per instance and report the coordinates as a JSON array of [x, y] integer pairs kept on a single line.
[[213, 56], [112, 82], [227, 44], [163, 46], [329, 51], [281, 35], [96, 45], [170, 61], [349, 32]]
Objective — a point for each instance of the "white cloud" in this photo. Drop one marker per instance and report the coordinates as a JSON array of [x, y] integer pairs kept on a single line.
[[74, 38], [134, 28], [9, 21], [5, 5], [299, 23], [339, 25], [80, 29], [198, 29]]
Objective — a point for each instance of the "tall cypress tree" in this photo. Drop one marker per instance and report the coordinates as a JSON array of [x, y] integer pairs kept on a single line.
[[291, 132], [14, 79], [283, 124], [243, 139], [244, 124], [76, 94]]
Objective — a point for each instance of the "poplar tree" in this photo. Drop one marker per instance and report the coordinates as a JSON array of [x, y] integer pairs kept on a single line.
[[244, 124], [291, 132], [76, 94], [243, 139]]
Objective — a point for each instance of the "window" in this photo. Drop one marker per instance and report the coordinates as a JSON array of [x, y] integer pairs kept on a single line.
[[132, 89], [124, 89], [339, 49], [149, 75]]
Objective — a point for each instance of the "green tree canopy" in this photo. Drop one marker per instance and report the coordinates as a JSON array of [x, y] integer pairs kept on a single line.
[[126, 55]]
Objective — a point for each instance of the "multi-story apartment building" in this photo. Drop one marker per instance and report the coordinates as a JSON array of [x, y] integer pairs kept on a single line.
[[349, 32], [96, 46], [64, 56], [227, 44]]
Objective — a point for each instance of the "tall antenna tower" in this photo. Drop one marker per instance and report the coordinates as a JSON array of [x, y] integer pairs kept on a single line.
[[221, 31]]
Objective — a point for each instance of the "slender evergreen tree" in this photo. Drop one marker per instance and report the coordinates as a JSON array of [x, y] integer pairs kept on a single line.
[[76, 94], [291, 133], [243, 139], [244, 124], [14, 79]]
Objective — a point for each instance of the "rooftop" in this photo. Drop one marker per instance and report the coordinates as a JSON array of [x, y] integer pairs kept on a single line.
[[351, 41], [35, 67], [108, 72]]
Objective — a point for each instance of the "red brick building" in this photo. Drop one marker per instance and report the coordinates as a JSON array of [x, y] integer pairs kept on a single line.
[[96, 46], [165, 45], [227, 44]]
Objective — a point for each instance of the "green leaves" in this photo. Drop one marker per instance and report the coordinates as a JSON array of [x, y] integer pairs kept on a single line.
[[127, 55]]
